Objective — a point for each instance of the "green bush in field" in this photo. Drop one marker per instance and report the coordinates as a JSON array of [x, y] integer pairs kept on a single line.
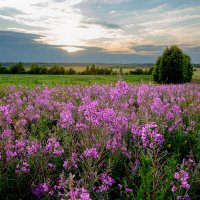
[[173, 66]]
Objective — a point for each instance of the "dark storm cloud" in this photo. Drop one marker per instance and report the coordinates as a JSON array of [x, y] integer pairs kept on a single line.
[[23, 47]]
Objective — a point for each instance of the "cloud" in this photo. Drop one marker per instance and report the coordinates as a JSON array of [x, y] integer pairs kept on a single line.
[[6, 23], [7, 11], [163, 24], [113, 12], [103, 24], [106, 1], [17, 46], [156, 50], [150, 47], [83, 26], [59, 1], [117, 26], [41, 4], [24, 47]]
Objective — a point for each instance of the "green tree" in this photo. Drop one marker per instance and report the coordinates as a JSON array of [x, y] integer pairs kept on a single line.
[[43, 70], [70, 71], [35, 69], [3, 70], [150, 71], [56, 70], [173, 66], [187, 68], [17, 69], [93, 70], [156, 70]]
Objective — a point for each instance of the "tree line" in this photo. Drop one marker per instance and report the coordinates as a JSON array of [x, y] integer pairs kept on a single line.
[[19, 68], [140, 71]]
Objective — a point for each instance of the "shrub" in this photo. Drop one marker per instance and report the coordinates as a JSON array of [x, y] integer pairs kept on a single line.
[[173, 66]]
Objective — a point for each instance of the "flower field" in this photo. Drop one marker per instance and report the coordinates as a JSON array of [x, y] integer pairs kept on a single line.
[[100, 142]]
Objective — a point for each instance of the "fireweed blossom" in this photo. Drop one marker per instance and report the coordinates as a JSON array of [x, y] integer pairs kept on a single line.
[[62, 129], [22, 168], [148, 135], [181, 178], [120, 90], [79, 194], [91, 153], [38, 191], [53, 147], [66, 119], [106, 181]]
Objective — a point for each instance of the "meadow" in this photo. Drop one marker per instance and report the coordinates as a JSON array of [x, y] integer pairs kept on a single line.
[[77, 79], [196, 75], [52, 80], [83, 142]]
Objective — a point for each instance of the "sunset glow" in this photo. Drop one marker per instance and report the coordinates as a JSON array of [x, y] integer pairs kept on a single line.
[[113, 26]]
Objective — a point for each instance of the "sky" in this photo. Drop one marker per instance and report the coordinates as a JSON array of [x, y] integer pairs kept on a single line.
[[104, 31]]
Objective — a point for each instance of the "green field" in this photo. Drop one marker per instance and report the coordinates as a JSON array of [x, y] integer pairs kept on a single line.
[[51, 80], [196, 75], [27, 79]]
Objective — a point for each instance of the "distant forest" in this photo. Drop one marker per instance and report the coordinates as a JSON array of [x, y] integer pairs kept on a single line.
[[61, 69], [72, 68]]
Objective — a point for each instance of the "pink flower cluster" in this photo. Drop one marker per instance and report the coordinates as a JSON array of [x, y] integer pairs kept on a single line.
[[91, 153], [79, 194], [181, 178], [148, 135], [107, 182], [22, 168], [53, 147]]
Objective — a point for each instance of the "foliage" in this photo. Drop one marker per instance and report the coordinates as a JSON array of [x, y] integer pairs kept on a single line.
[[17, 69], [35, 69], [56, 70], [187, 69], [3, 70], [70, 71], [173, 66], [140, 71], [93, 70]]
